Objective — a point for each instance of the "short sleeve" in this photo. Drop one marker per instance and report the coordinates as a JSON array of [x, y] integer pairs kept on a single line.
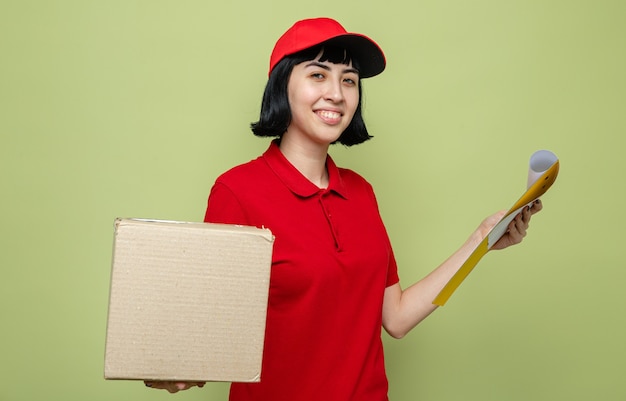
[[392, 266], [224, 207], [392, 271]]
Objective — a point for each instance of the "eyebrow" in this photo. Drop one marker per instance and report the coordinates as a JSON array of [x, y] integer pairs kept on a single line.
[[325, 67]]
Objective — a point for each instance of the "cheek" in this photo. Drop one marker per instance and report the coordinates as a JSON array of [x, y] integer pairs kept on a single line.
[[295, 104], [353, 101], [301, 100], [353, 94]]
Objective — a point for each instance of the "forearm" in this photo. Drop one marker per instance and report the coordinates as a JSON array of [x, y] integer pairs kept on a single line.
[[404, 309]]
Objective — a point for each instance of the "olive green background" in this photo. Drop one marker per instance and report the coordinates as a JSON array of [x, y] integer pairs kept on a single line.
[[132, 108]]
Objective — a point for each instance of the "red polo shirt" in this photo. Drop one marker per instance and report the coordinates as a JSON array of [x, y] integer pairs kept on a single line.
[[331, 263]]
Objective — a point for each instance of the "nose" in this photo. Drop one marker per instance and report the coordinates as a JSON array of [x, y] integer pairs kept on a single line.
[[334, 91]]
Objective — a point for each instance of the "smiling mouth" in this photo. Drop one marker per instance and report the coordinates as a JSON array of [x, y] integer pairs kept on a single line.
[[329, 116]]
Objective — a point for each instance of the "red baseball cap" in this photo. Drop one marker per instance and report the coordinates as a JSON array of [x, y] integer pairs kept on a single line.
[[312, 32]]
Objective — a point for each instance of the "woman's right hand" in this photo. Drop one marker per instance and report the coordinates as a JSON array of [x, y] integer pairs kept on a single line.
[[172, 386]]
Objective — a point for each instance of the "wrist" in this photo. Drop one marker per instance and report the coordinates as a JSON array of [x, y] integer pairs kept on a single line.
[[477, 236]]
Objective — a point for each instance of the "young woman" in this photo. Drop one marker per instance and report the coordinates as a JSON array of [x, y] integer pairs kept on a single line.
[[334, 281]]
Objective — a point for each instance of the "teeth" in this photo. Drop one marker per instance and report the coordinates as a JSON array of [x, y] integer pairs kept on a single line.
[[329, 114]]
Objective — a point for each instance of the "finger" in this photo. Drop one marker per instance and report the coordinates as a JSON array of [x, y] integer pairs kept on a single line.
[[156, 384], [526, 214], [536, 206], [167, 385], [171, 387], [523, 222], [179, 386], [522, 225], [516, 230]]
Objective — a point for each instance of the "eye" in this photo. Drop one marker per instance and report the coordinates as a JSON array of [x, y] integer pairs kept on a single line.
[[351, 81], [317, 75]]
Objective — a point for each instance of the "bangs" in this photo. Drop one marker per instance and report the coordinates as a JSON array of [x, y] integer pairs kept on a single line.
[[332, 54], [336, 55]]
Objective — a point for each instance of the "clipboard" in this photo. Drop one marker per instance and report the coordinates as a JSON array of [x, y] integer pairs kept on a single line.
[[543, 170]]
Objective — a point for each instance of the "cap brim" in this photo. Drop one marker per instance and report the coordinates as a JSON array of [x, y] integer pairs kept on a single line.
[[371, 58]]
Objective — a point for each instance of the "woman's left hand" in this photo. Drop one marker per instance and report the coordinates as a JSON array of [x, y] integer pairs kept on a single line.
[[517, 228], [172, 386]]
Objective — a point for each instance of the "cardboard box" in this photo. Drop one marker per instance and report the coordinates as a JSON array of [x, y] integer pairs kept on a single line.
[[188, 301]]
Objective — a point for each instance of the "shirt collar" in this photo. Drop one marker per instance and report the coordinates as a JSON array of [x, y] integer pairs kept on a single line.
[[298, 183]]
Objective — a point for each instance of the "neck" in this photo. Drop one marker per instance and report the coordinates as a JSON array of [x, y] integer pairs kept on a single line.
[[310, 161]]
